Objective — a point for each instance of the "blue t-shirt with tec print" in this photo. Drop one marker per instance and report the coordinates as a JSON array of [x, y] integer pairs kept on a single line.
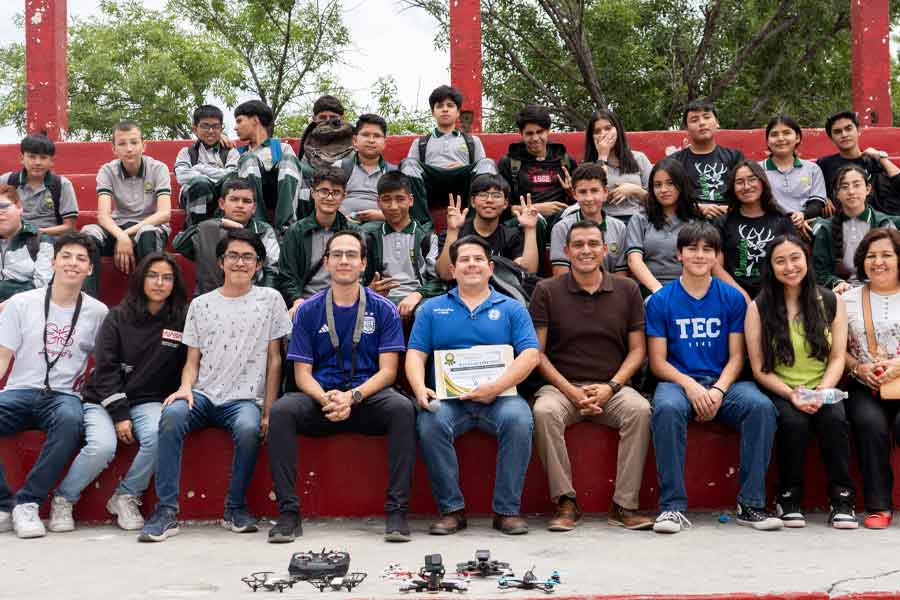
[[696, 330], [310, 343]]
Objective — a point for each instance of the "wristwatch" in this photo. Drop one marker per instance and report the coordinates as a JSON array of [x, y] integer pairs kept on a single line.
[[357, 396], [615, 386], [882, 154]]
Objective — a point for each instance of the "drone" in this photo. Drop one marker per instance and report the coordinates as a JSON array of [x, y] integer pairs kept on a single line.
[[261, 579], [431, 578], [310, 565], [483, 566], [336, 584], [530, 582]]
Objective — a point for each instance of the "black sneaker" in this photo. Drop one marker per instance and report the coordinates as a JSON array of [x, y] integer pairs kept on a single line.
[[286, 528], [396, 528], [757, 518], [789, 511], [843, 516]]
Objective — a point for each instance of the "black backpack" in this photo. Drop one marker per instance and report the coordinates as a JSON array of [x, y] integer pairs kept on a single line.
[[510, 279], [470, 146], [54, 186], [194, 153]]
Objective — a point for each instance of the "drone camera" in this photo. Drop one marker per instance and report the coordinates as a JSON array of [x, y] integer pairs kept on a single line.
[[482, 555], [433, 561]]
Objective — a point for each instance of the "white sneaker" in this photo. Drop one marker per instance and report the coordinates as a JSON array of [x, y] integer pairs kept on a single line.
[[26, 521], [671, 521], [126, 509], [61, 515], [5, 521]]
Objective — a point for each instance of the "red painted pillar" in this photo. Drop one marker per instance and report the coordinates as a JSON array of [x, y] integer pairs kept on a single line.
[[870, 27], [46, 88], [465, 59]]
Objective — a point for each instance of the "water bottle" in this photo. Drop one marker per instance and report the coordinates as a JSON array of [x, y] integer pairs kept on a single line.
[[826, 396]]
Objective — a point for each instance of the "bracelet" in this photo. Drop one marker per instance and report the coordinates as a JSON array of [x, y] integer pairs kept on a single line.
[[718, 389]]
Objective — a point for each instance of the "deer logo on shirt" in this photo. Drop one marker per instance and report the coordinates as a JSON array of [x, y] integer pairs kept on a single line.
[[752, 249], [712, 178]]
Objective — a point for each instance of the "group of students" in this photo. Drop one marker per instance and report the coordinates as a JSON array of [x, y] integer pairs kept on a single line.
[[319, 260]]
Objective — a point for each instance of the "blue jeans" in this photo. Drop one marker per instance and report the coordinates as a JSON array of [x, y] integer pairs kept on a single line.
[[96, 454], [508, 418], [744, 407], [145, 430], [240, 417], [59, 415]]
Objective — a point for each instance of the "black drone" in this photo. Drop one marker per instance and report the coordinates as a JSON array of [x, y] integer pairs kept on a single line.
[[431, 578], [483, 566], [310, 565], [336, 584], [261, 579], [530, 582]]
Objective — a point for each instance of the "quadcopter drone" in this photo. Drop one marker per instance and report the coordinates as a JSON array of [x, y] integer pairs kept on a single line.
[[483, 566], [310, 565], [530, 582], [261, 579], [431, 578], [336, 584]]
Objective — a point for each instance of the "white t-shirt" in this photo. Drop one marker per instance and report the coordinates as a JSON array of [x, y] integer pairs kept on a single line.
[[21, 332], [233, 335]]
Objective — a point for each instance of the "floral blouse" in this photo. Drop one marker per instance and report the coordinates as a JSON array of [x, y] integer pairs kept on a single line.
[[885, 319]]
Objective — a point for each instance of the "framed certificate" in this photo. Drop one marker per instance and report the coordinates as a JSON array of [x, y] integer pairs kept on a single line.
[[457, 372]]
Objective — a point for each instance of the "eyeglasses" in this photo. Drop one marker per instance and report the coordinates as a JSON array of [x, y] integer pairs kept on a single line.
[[747, 181], [326, 193], [490, 195], [163, 277], [348, 254], [243, 258], [208, 127], [5, 205]]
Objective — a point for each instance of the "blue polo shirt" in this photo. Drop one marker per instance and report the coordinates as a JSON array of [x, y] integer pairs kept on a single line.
[[446, 323], [310, 343], [696, 330]]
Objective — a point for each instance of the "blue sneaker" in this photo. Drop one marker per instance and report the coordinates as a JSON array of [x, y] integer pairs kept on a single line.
[[239, 520], [163, 524]]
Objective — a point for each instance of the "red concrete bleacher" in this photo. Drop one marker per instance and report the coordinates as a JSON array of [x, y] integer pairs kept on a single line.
[[346, 475]]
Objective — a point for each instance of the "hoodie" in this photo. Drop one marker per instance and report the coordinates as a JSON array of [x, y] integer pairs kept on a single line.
[[540, 178]]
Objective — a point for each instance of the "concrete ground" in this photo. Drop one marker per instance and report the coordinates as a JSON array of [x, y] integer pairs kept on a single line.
[[206, 561]]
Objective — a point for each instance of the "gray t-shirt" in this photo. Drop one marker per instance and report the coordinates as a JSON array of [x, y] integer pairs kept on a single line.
[[614, 177], [134, 197], [398, 252], [37, 203], [233, 336], [444, 149], [613, 234], [362, 187], [657, 245], [21, 331]]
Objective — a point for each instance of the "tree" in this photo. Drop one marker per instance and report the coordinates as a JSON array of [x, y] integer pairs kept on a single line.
[[648, 58], [284, 44], [130, 62], [401, 119]]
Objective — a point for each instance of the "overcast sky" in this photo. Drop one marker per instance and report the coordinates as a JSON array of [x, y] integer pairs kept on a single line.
[[381, 33]]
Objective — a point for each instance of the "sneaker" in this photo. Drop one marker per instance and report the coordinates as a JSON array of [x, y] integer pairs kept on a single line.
[[757, 518], [163, 524], [671, 521], [61, 515], [878, 520], [790, 513], [125, 507], [286, 528], [843, 516], [627, 518], [26, 522], [396, 528], [5, 521], [239, 520]]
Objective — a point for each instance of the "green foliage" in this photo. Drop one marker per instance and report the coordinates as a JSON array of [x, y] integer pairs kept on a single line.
[[12, 92], [401, 120]]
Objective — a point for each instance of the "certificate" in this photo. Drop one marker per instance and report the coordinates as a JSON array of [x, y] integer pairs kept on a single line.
[[457, 372]]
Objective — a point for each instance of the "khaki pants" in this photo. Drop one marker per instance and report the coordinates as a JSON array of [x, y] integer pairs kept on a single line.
[[627, 411]]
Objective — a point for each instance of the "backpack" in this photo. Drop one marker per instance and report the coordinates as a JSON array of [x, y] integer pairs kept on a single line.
[[515, 165], [194, 154], [54, 186], [470, 146], [510, 279]]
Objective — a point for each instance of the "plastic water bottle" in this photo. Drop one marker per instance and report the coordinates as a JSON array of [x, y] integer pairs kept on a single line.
[[826, 396]]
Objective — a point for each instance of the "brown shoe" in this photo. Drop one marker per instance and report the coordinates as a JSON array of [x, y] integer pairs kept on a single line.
[[567, 515], [629, 519], [510, 525], [449, 523]]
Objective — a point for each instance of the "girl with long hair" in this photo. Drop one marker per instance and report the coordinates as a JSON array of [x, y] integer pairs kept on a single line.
[[796, 333]]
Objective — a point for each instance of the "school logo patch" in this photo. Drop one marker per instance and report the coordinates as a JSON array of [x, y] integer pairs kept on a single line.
[[613, 248], [48, 200], [369, 324], [148, 186], [494, 314], [171, 335]]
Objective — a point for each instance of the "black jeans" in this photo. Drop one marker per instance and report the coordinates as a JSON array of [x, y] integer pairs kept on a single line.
[[871, 419], [832, 431], [386, 413]]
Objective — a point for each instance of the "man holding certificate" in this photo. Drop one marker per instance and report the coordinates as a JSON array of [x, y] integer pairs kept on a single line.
[[479, 345]]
